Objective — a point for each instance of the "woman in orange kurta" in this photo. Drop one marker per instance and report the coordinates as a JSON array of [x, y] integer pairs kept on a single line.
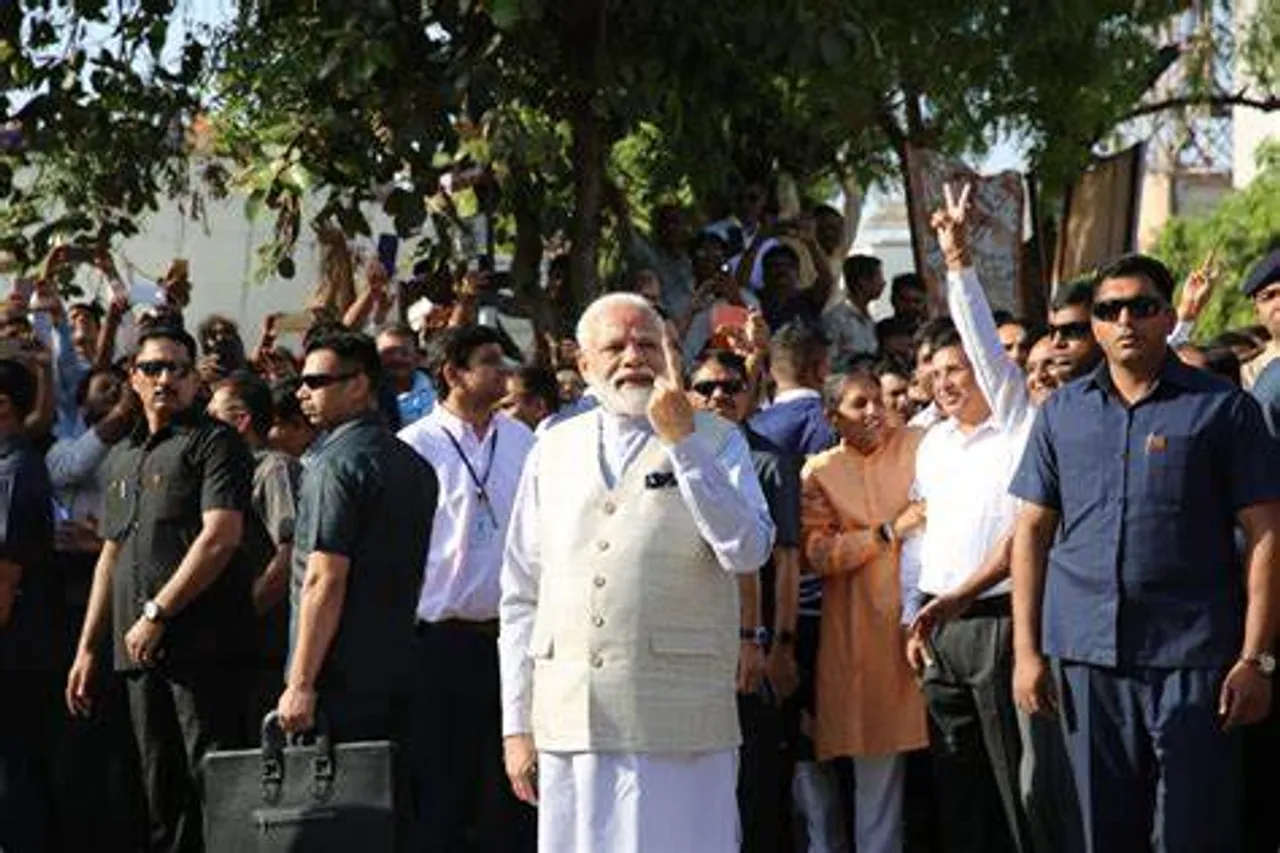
[[855, 508]]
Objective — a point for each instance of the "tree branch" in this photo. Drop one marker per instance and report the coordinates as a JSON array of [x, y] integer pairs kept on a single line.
[[1239, 99]]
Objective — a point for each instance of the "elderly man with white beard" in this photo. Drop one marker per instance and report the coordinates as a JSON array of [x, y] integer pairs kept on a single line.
[[619, 614]]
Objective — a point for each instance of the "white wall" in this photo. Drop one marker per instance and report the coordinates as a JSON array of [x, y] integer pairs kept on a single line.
[[222, 251]]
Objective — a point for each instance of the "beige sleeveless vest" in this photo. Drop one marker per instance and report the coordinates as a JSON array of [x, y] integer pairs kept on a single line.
[[635, 643]]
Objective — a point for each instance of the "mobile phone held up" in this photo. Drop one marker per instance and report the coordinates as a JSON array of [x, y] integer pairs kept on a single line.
[[388, 249]]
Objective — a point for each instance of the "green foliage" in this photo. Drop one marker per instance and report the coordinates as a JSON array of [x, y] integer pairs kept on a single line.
[[1240, 231], [371, 102], [94, 126]]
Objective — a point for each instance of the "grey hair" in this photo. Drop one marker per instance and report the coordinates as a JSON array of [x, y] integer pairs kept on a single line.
[[596, 310]]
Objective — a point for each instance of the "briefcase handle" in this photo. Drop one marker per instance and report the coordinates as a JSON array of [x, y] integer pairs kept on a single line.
[[274, 741]]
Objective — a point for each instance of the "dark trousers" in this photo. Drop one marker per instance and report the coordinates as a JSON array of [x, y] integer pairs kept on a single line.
[[98, 802], [264, 684], [1048, 788], [365, 717], [179, 714], [921, 832], [974, 731], [1261, 751], [1152, 765], [25, 706], [465, 802], [764, 776]]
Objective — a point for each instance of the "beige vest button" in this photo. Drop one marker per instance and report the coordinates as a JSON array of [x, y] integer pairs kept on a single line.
[[610, 507], [597, 661], [598, 621], [602, 546], [599, 580]]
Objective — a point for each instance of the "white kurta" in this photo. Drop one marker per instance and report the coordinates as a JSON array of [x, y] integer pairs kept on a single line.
[[593, 802], [628, 803]]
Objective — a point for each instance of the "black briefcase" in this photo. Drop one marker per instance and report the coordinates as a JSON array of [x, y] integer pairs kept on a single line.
[[302, 797]]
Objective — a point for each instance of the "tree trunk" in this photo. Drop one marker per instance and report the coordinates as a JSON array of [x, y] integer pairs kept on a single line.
[[526, 262], [589, 151]]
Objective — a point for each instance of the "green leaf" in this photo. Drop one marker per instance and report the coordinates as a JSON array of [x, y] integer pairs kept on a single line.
[[833, 48], [505, 13]]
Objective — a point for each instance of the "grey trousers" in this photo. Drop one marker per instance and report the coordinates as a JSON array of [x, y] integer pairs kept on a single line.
[[974, 733]]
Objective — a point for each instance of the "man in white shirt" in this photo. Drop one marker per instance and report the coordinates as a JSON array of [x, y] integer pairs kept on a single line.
[[478, 455], [963, 470], [1044, 783], [847, 323], [619, 612]]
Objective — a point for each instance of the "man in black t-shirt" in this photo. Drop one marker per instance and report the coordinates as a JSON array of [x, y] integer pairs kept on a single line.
[[173, 586]]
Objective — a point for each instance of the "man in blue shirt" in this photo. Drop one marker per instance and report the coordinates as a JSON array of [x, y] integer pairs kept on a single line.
[[30, 624], [797, 425], [1125, 571], [799, 362], [415, 396], [1266, 390]]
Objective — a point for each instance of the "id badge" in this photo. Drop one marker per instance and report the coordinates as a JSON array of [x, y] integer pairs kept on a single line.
[[483, 529]]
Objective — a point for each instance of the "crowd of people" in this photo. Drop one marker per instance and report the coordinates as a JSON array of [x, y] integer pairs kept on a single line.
[[729, 565]]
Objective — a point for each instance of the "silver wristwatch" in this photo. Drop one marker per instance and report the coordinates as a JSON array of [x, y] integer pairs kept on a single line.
[[1264, 662], [152, 611]]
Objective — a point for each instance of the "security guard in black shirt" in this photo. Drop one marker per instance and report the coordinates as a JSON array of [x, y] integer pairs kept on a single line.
[[173, 584], [29, 615]]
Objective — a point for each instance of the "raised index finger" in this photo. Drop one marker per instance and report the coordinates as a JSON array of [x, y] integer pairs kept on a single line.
[[675, 372]]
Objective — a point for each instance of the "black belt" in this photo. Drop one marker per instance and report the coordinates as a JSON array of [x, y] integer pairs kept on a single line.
[[486, 628], [985, 608]]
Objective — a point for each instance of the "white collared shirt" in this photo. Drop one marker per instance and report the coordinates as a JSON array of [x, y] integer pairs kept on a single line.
[[964, 479], [461, 578]]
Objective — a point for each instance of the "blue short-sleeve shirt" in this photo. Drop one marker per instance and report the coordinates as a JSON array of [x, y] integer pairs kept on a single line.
[[1144, 571]]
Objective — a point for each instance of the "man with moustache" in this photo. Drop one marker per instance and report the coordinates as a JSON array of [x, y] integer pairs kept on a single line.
[[1128, 575], [619, 611], [172, 586]]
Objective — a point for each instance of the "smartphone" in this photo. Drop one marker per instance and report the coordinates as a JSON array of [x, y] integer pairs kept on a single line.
[[388, 249]]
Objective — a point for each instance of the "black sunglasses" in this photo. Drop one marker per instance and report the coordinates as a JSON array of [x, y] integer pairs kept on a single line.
[[728, 386], [316, 381], [155, 368], [1140, 308], [1075, 331]]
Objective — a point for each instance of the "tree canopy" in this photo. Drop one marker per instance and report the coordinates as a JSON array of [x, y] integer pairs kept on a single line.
[[107, 107], [1239, 232]]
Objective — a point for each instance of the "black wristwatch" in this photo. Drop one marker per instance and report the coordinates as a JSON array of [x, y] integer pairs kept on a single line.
[[785, 638], [758, 635], [885, 532]]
